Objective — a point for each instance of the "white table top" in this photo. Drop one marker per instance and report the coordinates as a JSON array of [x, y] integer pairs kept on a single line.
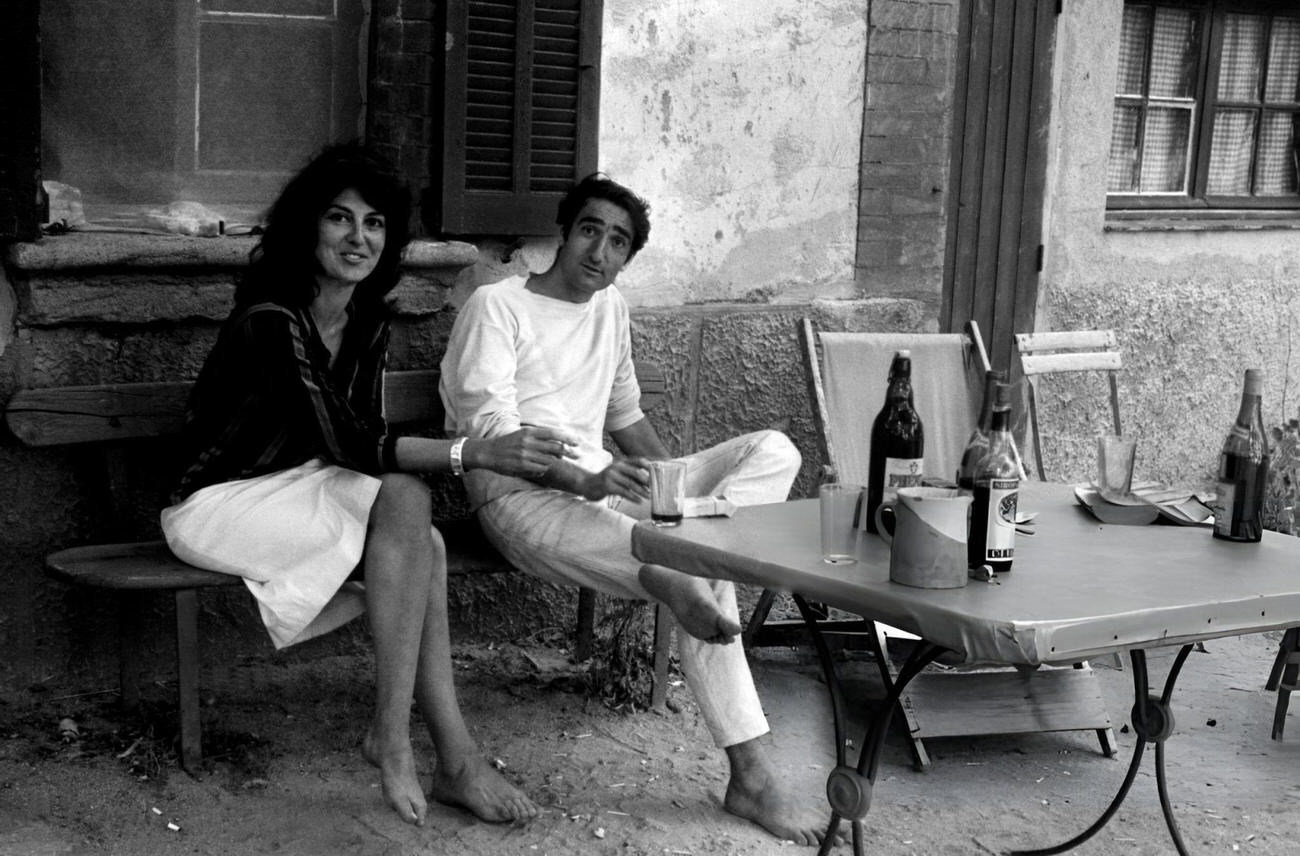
[[1077, 588]]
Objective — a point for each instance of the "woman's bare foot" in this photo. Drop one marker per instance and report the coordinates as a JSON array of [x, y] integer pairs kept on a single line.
[[397, 775], [477, 787], [692, 602], [755, 793]]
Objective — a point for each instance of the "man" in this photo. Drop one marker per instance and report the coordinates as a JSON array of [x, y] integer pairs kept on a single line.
[[554, 349]]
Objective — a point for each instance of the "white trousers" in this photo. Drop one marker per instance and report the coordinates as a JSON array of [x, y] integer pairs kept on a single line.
[[564, 538]]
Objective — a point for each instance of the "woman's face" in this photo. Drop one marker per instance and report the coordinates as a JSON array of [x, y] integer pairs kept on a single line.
[[350, 239]]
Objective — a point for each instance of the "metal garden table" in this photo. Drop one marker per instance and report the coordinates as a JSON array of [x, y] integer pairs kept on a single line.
[[1078, 589]]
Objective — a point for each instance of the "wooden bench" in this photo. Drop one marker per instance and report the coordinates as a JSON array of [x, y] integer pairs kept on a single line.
[[113, 418]]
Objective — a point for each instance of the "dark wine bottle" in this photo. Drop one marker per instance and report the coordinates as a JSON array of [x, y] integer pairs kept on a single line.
[[897, 441], [978, 444], [1243, 469], [992, 539]]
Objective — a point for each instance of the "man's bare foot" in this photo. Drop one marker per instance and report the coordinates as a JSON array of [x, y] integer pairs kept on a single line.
[[755, 793], [692, 602], [477, 787], [397, 775]]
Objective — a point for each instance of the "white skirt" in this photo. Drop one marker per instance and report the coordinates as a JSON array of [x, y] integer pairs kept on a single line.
[[294, 536]]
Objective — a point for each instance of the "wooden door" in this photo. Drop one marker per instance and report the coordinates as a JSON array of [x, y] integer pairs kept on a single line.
[[999, 164]]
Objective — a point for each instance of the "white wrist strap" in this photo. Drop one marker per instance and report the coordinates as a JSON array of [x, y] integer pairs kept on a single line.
[[457, 463]]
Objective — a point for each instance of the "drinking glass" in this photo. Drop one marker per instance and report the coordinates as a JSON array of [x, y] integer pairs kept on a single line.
[[1115, 456], [667, 492], [840, 504]]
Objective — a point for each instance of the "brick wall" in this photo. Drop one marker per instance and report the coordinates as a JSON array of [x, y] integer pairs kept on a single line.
[[911, 48], [402, 100]]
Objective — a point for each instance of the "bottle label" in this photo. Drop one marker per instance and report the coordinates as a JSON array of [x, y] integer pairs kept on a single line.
[[1000, 540], [900, 472], [1225, 502]]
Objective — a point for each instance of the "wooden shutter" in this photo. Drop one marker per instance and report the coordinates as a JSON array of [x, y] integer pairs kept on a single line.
[[520, 113], [21, 200]]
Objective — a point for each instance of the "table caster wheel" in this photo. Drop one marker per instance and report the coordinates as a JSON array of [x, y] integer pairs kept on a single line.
[[849, 793]]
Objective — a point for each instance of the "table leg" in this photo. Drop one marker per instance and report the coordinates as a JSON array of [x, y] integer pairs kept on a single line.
[[1153, 722], [849, 788], [811, 618]]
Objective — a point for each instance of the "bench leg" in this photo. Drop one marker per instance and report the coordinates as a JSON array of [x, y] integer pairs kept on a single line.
[[663, 643], [187, 677], [128, 649], [586, 624]]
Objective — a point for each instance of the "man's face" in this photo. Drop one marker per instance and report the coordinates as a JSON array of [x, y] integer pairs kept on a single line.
[[595, 250]]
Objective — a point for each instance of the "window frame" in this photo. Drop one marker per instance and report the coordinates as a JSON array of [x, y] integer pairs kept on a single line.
[[1197, 201], [455, 206], [222, 185]]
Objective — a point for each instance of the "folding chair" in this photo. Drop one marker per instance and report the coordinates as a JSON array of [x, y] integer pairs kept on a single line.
[[1072, 351], [847, 376]]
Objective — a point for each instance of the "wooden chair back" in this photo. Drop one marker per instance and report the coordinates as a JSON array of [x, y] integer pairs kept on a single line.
[[1067, 351], [847, 375]]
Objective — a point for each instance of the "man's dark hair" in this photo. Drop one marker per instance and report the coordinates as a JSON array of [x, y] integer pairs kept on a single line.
[[600, 186], [283, 265]]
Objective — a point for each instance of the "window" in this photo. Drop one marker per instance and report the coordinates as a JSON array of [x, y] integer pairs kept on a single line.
[[211, 101], [490, 106], [522, 92], [1207, 101]]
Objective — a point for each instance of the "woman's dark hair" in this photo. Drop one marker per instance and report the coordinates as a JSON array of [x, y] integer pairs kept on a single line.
[[282, 266], [600, 186]]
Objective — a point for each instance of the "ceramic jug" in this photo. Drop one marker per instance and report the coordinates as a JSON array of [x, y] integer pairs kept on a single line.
[[926, 528]]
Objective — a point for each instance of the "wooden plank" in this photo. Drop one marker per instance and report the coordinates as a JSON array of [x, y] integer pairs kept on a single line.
[[1060, 340], [1035, 364], [956, 704], [59, 416], [816, 393]]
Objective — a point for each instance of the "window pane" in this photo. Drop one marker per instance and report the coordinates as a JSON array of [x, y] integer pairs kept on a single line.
[[107, 101], [1121, 167], [1234, 136], [1174, 53], [1164, 150], [1133, 49], [1283, 61], [1276, 173], [257, 112], [1242, 58]]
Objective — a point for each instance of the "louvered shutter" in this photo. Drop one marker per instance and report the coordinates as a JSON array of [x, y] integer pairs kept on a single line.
[[20, 92], [520, 113]]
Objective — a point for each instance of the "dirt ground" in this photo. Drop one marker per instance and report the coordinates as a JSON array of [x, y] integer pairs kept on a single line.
[[284, 775]]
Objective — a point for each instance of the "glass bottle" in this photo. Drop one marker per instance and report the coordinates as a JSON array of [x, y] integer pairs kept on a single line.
[[1243, 469], [992, 539], [897, 441], [978, 443]]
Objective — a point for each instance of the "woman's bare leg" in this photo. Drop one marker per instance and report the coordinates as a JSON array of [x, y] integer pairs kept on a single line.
[[406, 596]]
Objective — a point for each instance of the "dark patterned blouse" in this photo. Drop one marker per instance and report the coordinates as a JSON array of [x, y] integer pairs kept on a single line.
[[267, 398]]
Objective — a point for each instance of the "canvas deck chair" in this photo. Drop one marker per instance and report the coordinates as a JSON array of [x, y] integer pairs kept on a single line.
[[847, 375]]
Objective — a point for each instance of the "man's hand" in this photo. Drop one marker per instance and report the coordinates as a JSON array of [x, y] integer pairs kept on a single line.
[[528, 452], [625, 477]]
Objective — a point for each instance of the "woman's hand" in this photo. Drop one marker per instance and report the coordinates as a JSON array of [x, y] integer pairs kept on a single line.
[[527, 453], [625, 477]]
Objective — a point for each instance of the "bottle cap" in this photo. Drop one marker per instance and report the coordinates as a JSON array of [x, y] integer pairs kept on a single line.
[[905, 354], [1254, 382]]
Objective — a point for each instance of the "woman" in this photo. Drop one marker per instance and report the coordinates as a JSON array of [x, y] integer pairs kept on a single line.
[[295, 483]]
